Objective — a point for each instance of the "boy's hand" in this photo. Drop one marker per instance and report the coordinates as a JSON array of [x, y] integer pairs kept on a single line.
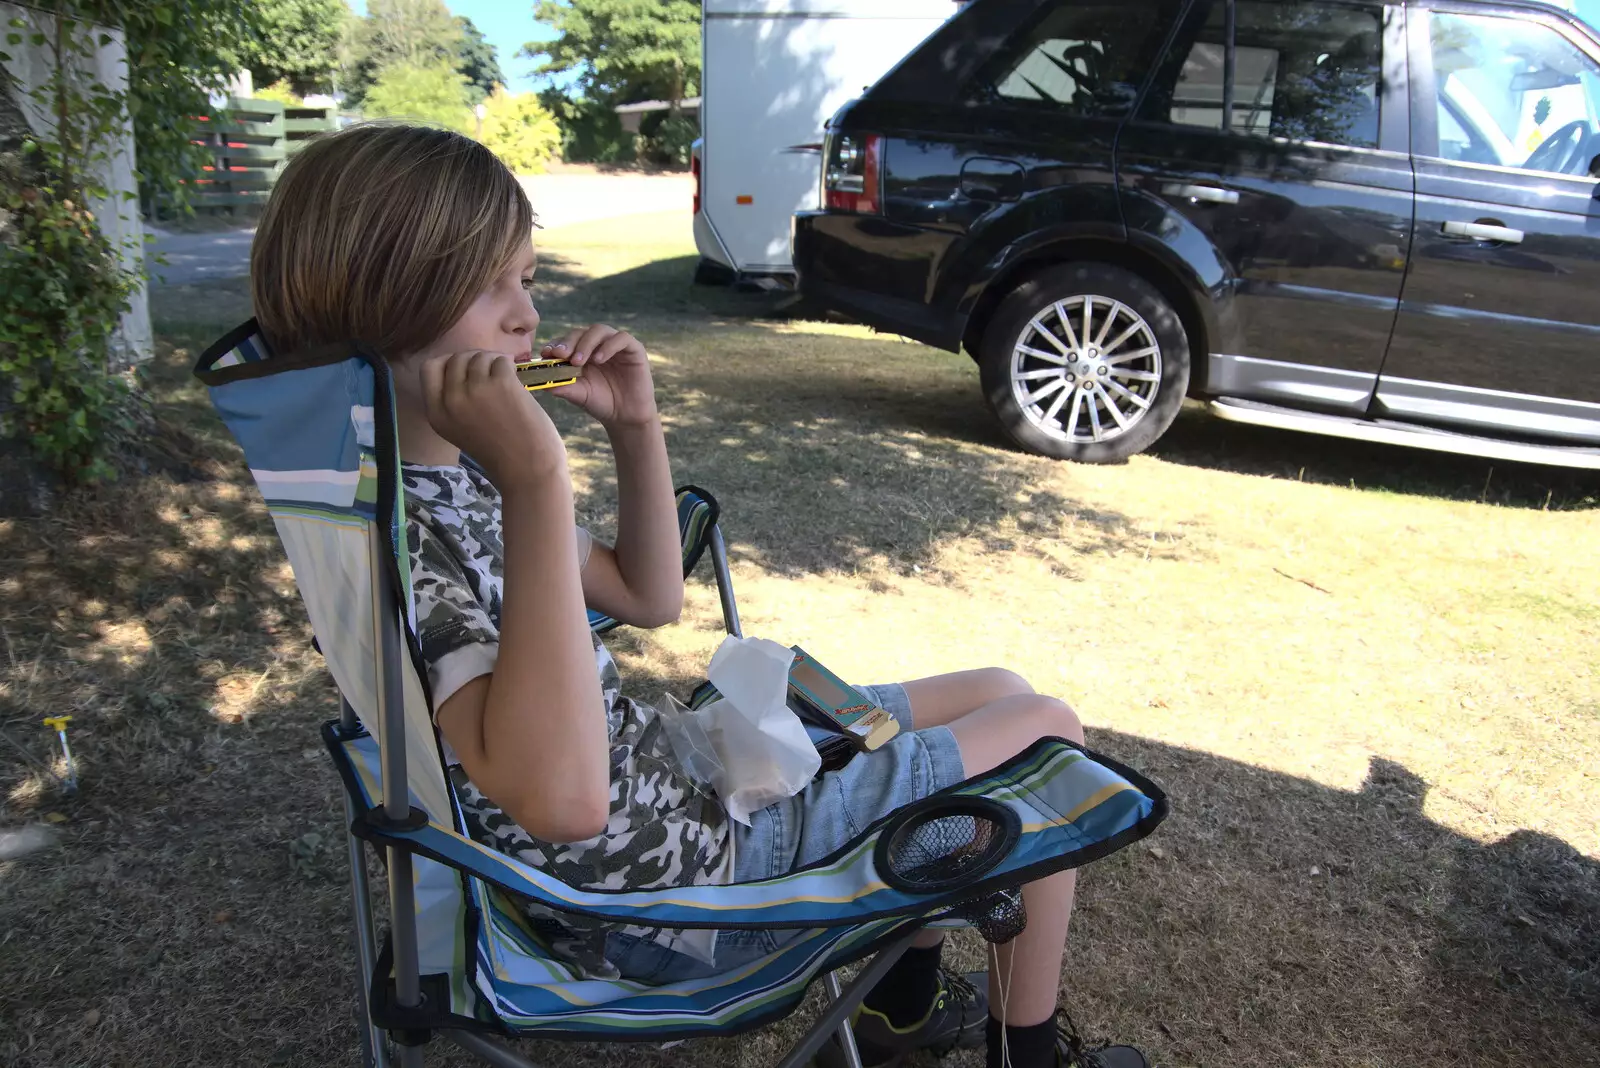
[[474, 401], [616, 387]]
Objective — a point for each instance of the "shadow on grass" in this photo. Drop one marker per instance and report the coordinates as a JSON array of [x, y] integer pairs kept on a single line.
[[1199, 439], [1280, 921], [196, 912], [1284, 922], [661, 291], [157, 612], [821, 483]]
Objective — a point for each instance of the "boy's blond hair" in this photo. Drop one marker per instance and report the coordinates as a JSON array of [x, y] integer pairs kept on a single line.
[[383, 234]]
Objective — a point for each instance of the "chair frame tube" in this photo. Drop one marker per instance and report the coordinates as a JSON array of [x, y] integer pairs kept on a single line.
[[361, 910], [719, 565], [396, 787]]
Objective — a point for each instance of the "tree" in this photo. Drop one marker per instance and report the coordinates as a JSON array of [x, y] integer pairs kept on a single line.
[[622, 50], [520, 131], [477, 62], [178, 52], [432, 91], [297, 42], [411, 33]]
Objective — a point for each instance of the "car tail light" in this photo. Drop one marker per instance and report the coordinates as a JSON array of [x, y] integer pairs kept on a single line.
[[694, 165], [853, 173]]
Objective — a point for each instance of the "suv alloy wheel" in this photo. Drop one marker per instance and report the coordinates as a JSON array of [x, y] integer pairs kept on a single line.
[[1085, 362]]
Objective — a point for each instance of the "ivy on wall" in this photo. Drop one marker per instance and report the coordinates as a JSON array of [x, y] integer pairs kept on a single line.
[[63, 289]]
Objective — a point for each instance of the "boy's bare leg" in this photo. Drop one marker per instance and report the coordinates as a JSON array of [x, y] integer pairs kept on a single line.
[[1026, 977], [938, 700]]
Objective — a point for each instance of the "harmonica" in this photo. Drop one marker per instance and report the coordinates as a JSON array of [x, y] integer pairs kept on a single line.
[[546, 374]]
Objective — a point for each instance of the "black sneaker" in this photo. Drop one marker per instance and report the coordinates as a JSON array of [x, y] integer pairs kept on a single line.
[[956, 1021], [1073, 1052]]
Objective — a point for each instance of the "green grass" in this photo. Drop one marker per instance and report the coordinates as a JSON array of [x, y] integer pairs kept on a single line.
[[1366, 676]]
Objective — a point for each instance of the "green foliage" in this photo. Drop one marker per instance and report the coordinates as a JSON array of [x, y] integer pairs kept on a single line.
[[477, 62], [178, 52], [64, 295], [279, 91], [520, 131], [432, 91], [590, 130], [672, 140], [297, 42], [62, 286], [622, 50], [410, 33]]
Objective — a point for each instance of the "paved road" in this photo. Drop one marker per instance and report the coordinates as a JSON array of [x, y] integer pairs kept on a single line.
[[200, 257], [559, 200]]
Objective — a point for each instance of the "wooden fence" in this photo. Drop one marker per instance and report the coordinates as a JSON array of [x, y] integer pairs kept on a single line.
[[248, 145]]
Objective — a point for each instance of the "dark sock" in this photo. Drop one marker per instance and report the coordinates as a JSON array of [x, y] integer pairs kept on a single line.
[[907, 989], [1027, 1047]]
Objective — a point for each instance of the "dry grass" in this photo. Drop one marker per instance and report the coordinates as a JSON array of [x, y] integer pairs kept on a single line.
[[1367, 677]]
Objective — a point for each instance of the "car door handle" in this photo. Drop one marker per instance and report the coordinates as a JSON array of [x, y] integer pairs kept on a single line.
[[1209, 193], [1478, 231]]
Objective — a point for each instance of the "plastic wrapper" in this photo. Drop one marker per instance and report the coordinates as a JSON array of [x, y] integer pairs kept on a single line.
[[748, 747]]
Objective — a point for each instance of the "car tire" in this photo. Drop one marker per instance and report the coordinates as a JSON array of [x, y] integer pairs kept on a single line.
[[1054, 392]]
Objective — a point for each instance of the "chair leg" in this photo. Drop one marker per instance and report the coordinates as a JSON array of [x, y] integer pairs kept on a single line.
[[847, 1037], [719, 566], [372, 1039], [845, 1004], [403, 915]]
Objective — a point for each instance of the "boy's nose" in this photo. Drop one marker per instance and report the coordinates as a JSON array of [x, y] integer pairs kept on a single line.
[[524, 321]]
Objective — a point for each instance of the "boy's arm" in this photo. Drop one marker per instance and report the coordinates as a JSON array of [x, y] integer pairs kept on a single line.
[[641, 580], [532, 735]]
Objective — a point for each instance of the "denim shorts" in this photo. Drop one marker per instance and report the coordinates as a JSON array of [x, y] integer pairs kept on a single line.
[[803, 829]]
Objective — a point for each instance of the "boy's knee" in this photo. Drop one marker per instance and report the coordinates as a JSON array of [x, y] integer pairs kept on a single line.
[[1003, 682], [1057, 719]]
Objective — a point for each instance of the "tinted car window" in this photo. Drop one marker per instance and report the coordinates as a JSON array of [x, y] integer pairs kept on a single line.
[[1080, 58], [1513, 93], [1302, 71]]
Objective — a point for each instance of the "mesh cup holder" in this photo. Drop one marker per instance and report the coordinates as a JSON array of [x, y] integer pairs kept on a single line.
[[946, 843]]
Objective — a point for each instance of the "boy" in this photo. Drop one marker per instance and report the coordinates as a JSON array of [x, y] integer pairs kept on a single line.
[[415, 242]]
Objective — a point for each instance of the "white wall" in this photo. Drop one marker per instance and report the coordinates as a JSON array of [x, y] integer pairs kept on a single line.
[[119, 219]]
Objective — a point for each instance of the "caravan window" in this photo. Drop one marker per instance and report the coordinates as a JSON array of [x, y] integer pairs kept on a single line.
[[1083, 58]]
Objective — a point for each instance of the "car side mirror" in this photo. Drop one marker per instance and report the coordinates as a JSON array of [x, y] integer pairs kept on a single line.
[[1594, 170]]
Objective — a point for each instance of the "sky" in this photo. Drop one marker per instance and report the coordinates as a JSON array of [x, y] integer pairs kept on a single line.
[[507, 24]]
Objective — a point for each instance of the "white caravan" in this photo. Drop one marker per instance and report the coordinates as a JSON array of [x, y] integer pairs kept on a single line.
[[775, 71]]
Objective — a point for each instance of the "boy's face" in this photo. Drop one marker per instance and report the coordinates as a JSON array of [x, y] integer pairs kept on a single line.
[[501, 319]]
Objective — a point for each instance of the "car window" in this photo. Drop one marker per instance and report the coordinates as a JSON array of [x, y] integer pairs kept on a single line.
[[1523, 94], [1081, 58], [1460, 139], [1302, 71]]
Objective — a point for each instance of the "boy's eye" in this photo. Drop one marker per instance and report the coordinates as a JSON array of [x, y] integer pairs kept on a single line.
[[527, 283]]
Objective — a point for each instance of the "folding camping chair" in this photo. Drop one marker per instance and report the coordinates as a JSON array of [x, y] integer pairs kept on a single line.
[[460, 960]]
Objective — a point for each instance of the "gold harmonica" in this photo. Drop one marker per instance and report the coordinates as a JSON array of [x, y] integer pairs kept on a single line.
[[546, 374]]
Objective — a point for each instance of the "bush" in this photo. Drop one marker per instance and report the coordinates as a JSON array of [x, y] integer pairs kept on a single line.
[[520, 131], [433, 92], [279, 91], [590, 130], [671, 141], [65, 292]]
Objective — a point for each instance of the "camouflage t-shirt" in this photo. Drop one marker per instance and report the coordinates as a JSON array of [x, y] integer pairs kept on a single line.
[[661, 832]]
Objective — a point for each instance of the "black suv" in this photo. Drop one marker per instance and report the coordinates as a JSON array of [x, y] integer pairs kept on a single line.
[[1376, 220]]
